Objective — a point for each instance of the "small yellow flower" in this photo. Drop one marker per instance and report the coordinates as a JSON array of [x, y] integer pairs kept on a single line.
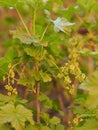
[[76, 64], [62, 69], [66, 64], [14, 91], [76, 121], [4, 78], [6, 87], [72, 67], [12, 81], [81, 119], [10, 88], [12, 74], [9, 66], [9, 93], [67, 88], [71, 90], [67, 80], [83, 76]]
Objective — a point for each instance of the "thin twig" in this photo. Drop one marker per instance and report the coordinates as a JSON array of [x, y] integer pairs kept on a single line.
[[34, 18], [37, 94], [25, 26], [44, 33], [37, 102]]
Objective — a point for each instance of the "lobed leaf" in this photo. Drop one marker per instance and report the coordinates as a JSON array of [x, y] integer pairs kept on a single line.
[[17, 116], [91, 85]]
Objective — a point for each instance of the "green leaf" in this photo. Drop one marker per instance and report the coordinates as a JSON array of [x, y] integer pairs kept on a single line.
[[17, 116], [91, 85], [55, 120], [36, 75], [32, 127], [45, 128], [45, 117], [33, 52], [11, 55], [59, 127], [13, 3], [87, 52], [25, 38], [45, 76], [8, 58], [90, 124], [92, 102], [78, 110], [26, 81], [87, 5], [37, 53], [3, 67], [47, 102], [11, 42], [6, 99], [4, 127], [8, 3]]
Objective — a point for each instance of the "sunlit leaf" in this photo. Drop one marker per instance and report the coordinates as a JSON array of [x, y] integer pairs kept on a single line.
[[11, 55], [25, 38], [45, 128], [45, 76], [90, 124], [6, 99], [4, 127], [59, 127], [47, 103], [26, 81], [91, 85], [13, 3], [87, 5], [55, 120], [8, 3], [17, 116], [31, 127], [87, 52]]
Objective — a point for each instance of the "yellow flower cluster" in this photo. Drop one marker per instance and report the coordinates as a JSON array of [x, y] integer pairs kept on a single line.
[[71, 71], [11, 74], [70, 89], [10, 90], [77, 120], [67, 80], [10, 79]]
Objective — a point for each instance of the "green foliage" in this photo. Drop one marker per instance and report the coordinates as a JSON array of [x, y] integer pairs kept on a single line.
[[91, 85], [89, 125], [87, 52], [13, 3], [4, 127], [8, 3], [50, 52], [87, 5], [16, 115], [9, 57], [25, 38], [6, 99]]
